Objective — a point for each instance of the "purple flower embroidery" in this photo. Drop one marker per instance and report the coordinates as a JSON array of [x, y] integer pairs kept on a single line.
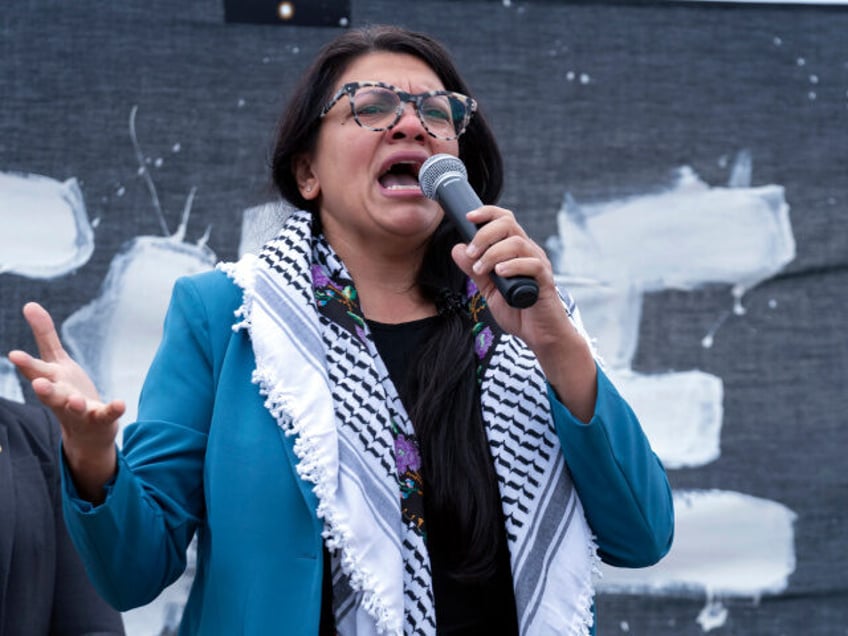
[[406, 455], [482, 341], [361, 333], [319, 278]]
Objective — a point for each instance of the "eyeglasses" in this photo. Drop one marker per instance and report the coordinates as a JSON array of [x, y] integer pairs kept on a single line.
[[378, 106]]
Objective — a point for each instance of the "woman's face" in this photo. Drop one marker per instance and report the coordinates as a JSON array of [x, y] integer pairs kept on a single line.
[[365, 181]]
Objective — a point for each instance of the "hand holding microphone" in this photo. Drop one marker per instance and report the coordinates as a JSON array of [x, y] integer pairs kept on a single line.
[[444, 179]]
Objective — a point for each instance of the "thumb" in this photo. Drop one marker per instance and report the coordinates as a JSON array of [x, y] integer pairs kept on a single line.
[[461, 259]]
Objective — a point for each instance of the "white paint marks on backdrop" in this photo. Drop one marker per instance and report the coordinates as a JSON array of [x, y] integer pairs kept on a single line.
[[682, 238], [10, 385], [726, 544], [115, 336], [681, 413], [31, 203], [608, 256], [713, 616]]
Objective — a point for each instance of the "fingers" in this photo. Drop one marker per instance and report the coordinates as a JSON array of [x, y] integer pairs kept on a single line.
[[44, 331], [94, 412], [30, 367], [72, 407], [502, 246], [496, 224], [58, 396]]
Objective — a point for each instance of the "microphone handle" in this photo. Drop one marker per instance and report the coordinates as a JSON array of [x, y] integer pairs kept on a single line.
[[457, 198]]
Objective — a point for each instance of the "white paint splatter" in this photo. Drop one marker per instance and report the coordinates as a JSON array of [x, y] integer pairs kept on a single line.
[[708, 340], [681, 413], [609, 255], [689, 235], [726, 544], [29, 205], [683, 238], [10, 385], [713, 616], [115, 336]]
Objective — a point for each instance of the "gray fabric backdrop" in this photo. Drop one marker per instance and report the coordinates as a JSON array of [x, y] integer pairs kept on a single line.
[[666, 85]]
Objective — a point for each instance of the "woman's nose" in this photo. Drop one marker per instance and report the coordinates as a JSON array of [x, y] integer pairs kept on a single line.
[[409, 124]]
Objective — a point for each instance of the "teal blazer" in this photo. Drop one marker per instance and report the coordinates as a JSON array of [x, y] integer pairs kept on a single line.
[[206, 457]]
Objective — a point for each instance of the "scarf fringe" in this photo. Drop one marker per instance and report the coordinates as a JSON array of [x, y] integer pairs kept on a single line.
[[585, 618], [336, 534], [374, 598]]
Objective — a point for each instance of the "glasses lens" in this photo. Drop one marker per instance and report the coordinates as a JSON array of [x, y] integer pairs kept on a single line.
[[375, 107], [444, 115]]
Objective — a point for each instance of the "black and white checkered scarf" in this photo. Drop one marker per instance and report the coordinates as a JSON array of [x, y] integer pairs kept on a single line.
[[327, 386]]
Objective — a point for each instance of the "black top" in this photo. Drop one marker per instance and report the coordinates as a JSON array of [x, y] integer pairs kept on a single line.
[[486, 607]]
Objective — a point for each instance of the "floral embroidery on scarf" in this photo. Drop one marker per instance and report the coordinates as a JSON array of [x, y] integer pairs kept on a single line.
[[483, 339], [482, 332], [345, 297], [408, 461], [338, 301]]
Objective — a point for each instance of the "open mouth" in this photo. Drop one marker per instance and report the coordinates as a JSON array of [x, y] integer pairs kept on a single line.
[[402, 175]]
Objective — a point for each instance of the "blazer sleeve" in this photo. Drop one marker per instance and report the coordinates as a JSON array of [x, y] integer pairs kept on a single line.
[[77, 607], [134, 543], [622, 484]]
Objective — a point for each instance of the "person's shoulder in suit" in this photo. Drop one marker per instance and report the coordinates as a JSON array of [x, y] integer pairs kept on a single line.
[[48, 591]]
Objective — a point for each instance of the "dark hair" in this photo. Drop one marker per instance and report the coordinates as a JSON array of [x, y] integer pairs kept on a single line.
[[461, 503], [298, 129]]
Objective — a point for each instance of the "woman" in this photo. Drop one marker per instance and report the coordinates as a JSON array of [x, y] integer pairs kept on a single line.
[[44, 590], [379, 444]]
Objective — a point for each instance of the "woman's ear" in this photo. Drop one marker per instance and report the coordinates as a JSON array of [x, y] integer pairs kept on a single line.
[[307, 181]]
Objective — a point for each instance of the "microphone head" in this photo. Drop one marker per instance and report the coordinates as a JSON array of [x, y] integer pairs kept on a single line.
[[437, 168]]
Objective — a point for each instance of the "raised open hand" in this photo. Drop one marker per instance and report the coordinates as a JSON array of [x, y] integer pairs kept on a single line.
[[89, 425]]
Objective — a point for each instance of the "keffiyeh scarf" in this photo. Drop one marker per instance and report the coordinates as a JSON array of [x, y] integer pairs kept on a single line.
[[326, 385]]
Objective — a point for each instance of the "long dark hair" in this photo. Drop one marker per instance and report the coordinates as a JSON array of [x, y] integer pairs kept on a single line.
[[461, 503]]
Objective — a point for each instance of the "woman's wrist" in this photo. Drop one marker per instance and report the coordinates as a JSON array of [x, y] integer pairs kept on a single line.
[[91, 471]]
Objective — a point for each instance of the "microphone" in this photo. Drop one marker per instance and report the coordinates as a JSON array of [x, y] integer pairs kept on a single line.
[[444, 179]]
